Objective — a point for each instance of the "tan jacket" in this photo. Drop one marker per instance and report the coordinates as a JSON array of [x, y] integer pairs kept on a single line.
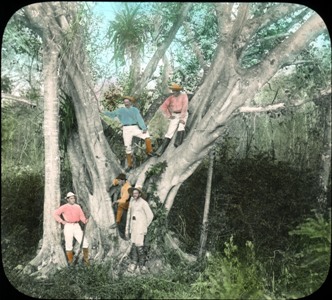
[[124, 196]]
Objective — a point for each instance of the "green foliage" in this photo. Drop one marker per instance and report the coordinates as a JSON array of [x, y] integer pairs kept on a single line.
[[6, 84], [21, 137], [22, 196], [232, 276], [156, 170], [158, 228], [20, 56], [314, 252], [126, 31]]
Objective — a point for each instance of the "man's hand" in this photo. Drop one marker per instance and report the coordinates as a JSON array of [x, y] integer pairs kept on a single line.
[[172, 117], [183, 122], [144, 131]]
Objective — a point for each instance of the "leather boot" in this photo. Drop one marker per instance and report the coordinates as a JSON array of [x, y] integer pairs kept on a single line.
[[179, 138], [163, 146], [129, 162], [86, 256], [142, 259], [148, 145], [70, 256]]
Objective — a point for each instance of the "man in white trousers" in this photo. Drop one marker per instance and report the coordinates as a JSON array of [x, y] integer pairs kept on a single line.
[[175, 108], [72, 214]]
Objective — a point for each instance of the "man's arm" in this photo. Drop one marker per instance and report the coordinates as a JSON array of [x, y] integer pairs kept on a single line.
[[164, 107], [124, 195], [148, 213], [111, 114], [57, 215]]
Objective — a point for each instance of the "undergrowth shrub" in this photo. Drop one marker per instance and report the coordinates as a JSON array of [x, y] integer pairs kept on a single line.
[[313, 240], [231, 275]]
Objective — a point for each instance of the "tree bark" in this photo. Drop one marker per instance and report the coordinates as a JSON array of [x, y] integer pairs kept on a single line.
[[51, 256]]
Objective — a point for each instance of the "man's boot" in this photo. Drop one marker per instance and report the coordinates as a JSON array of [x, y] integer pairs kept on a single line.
[[70, 256], [148, 145], [129, 162], [163, 146], [86, 256], [179, 138], [142, 260]]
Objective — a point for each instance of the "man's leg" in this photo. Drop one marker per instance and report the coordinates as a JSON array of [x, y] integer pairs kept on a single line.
[[172, 127], [127, 140], [180, 132], [134, 258], [69, 234]]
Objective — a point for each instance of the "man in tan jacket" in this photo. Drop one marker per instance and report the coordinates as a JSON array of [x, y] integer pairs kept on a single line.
[[123, 201]]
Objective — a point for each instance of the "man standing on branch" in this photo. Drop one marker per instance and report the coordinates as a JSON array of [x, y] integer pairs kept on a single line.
[[123, 201], [72, 214], [175, 108], [133, 125], [139, 218]]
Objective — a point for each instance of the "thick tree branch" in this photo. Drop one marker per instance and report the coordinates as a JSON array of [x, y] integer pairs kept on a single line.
[[151, 67], [251, 109], [18, 99]]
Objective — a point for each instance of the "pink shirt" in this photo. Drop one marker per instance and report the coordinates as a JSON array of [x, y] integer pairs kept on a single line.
[[177, 104], [71, 214]]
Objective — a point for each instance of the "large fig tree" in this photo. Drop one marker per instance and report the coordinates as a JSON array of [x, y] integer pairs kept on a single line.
[[229, 82]]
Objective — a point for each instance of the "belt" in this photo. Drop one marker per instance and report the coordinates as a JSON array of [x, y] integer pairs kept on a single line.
[[72, 222], [130, 125], [175, 112]]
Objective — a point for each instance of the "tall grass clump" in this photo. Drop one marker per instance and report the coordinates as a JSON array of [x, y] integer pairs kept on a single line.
[[231, 275]]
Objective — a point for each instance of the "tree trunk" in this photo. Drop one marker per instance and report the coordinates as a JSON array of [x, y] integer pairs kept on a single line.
[[205, 223], [51, 256], [326, 155]]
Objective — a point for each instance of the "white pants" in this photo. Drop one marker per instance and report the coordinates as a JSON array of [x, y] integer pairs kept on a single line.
[[174, 124], [73, 230], [129, 132]]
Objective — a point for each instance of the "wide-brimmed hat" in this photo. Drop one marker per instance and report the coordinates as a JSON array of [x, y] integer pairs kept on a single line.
[[132, 99], [175, 87], [130, 191], [70, 194]]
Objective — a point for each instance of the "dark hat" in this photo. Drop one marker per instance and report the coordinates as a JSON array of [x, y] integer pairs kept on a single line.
[[132, 99], [130, 191], [121, 176]]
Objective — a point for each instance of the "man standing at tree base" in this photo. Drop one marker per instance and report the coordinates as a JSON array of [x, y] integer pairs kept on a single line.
[[139, 218], [72, 214]]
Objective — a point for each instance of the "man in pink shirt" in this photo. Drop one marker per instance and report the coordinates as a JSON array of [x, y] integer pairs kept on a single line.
[[72, 214], [175, 108]]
